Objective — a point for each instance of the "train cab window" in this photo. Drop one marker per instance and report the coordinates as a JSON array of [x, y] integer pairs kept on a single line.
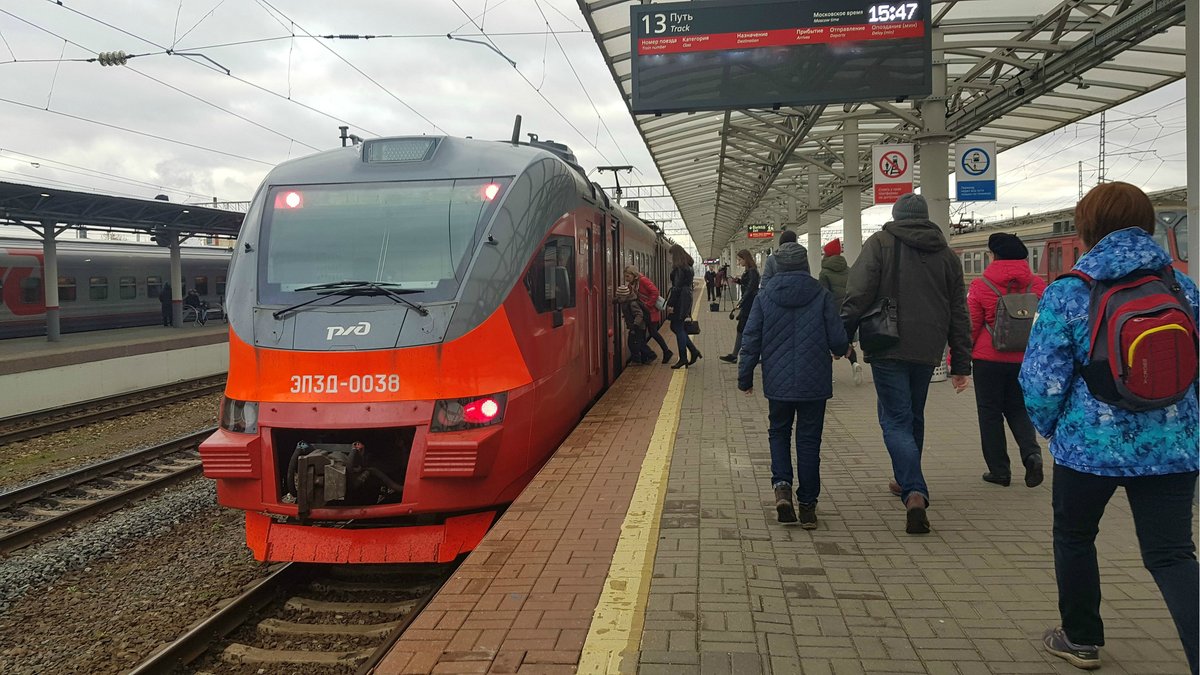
[[127, 288], [98, 288], [551, 278], [201, 285], [66, 289], [221, 287], [153, 287], [31, 291]]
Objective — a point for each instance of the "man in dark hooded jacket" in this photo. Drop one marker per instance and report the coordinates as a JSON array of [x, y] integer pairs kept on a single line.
[[931, 301], [793, 329]]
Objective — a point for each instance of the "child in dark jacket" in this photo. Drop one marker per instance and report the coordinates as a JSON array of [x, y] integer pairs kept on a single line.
[[794, 329], [635, 315]]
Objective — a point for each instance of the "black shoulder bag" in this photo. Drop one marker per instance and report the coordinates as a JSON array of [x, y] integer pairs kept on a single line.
[[879, 327]]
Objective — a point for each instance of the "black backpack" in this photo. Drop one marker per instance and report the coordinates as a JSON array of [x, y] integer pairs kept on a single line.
[[1014, 318]]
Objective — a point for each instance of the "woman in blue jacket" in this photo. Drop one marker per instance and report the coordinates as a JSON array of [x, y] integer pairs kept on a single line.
[[793, 329], [1098, 447]]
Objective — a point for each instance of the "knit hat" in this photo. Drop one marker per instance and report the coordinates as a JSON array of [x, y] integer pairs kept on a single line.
[[623, 293], [833, 248], [792, 257], [1007, 246], [788, 235], [910, 206]]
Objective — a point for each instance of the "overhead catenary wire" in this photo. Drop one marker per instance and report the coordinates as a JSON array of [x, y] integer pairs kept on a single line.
[[17, 155]]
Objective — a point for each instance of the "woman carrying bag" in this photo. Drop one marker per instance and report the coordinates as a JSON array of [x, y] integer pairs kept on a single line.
[[679, 305], [749, 283]]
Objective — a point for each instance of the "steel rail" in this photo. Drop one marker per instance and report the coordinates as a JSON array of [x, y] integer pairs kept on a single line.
[[31, 425]]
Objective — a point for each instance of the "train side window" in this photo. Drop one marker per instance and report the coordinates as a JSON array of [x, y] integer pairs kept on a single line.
[[201, 285], [987, 260], [1075, 256], [221, 287], [1035, 257], [66, 289], [31, 290], [551, 278], [127, 288], [153, 287], [98, 288], [1181, 238]]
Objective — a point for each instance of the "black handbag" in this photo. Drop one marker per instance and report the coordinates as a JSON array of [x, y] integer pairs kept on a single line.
[[879, 327], [691, 326]]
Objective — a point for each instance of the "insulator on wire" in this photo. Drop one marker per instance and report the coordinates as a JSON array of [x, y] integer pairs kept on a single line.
[[113, 58]]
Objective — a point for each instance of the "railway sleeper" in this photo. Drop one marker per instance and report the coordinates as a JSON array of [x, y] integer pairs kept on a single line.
[[240, 653], [280, 627], [305, 604], [339, 585]]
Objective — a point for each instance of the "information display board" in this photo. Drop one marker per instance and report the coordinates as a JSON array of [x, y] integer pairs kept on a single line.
[[759, 231], [718, 55]]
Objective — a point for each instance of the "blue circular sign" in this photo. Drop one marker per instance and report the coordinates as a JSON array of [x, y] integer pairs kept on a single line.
[[976, 161]]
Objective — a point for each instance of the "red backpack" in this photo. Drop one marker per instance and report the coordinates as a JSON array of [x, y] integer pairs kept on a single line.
[[1143, 340]]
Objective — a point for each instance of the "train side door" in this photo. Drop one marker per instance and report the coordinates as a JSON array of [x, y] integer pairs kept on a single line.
[[618, 342], [595, 313], [1054, 259]]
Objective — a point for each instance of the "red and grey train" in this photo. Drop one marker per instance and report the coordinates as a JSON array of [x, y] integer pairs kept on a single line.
[[416, 323]]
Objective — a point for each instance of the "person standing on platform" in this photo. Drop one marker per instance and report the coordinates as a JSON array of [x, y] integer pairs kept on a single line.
[[164, 299], [997, 393], [648, 293], [749, 283], [722, 278], [793, 329], [835, 273], [1099, 443], [636, 324], [679, 305], [710, 283], [788, 236], [910, 263]]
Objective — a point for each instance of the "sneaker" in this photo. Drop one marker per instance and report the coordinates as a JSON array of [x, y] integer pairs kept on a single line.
[[858, 378], [783, 504], [1033, 472], [808, 516], [1086, 657], [998, 480]]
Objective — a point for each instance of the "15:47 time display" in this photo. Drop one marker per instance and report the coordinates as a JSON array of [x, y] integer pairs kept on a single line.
[[906, 11]]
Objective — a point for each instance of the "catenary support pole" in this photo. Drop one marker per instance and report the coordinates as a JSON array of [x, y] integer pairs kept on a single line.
[[50, 280], [851, 193], [935, 143], [176, 282], [814, 220], [1192, 116]]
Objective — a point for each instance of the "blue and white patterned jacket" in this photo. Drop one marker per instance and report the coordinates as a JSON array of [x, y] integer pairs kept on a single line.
[[1085, 434]]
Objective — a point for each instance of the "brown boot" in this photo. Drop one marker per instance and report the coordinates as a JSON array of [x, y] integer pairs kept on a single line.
[[917, 520], [894, 488], [783, 504]]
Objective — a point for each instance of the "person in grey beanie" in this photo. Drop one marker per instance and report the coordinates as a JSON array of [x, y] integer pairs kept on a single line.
[[769, 267], [793, 329], [910, 262]]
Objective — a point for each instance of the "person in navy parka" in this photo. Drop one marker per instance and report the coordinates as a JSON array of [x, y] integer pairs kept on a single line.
[[1099, 447], [793, 329]]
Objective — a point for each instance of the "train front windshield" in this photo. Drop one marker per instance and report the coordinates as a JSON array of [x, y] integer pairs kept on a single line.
[[417, 236]]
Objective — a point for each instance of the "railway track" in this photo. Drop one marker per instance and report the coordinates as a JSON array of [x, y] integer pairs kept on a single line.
[[34, 511], [306, 618], [23, 427]]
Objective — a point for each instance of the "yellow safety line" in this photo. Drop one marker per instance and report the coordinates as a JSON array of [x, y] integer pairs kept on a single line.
[[616, 630]]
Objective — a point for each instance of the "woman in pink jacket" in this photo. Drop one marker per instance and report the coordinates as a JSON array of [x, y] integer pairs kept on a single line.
[[998, 395]]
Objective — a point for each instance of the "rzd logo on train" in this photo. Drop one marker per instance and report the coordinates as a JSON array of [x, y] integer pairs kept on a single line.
[[360, 328]]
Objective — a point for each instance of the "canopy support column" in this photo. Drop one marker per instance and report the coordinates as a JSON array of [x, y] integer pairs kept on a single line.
[[814, 220], [177, 282], [934, 143], [851, 193], [50, 280]]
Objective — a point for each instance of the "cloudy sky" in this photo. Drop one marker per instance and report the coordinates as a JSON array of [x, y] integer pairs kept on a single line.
[[181, 126]]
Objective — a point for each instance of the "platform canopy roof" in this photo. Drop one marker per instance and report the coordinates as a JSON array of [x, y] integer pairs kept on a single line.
[[1016, 69], [34, 205]]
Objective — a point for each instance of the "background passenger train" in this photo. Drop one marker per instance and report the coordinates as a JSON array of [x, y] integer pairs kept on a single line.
[[415, 325], [101, 284]]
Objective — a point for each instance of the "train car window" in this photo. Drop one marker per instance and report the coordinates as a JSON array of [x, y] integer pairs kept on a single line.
[[98, 288], [201, 285], [66, 289], [1075, 256], [153, 287], [987, 260], [221, 287], [1035, 258], [31, 291], [548, 288], [1181, 238], [127, 288]]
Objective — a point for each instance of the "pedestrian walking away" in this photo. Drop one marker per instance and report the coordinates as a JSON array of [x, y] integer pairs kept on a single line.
[[749, 284], [835, 274], [1104, 432], [768, 270], [648, 293], [679, 305], [909, 265], [993, 301], [793, 329]]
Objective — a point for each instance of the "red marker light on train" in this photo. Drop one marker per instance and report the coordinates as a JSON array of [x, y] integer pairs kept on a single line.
[[490, 191], [289, 200], [482, 411]]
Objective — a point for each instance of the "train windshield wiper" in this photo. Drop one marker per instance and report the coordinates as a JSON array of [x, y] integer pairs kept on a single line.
[[349, 289]]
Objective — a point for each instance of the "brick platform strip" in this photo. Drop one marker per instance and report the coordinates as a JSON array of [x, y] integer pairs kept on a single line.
[[523, 601]]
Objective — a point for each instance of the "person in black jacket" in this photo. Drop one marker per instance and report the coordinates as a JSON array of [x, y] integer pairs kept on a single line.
[[679, 305], [794, 328], [164, 299], [710, 283], [749, 283], [931, 300]]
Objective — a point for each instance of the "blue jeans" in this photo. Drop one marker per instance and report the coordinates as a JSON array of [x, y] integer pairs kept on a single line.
[[1162, 519], [901, 388], [810, 423], [683, 340]]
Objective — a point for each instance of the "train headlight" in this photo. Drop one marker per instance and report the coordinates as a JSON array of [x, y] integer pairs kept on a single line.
[[457, 414], [239, 416]]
